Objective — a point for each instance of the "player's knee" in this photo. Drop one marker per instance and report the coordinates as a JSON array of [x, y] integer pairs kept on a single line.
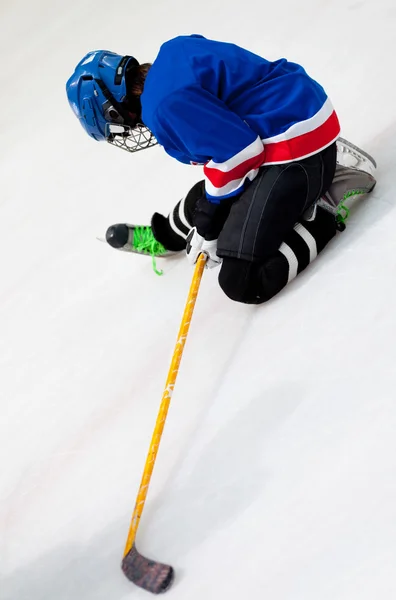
[[255, 283], [252, 283], [233, 279]]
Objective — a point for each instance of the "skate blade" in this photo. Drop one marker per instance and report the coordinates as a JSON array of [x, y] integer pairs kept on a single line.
[[128, 248]]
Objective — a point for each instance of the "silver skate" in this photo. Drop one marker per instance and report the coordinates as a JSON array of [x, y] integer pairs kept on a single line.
[[354, 177]]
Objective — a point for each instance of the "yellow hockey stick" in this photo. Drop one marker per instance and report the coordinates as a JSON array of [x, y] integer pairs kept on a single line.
[[150, 575]]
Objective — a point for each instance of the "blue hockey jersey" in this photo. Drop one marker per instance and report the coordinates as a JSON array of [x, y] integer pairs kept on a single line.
[[216, 104]]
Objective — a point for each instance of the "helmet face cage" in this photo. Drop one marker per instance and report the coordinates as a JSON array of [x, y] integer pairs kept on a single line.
[[131, 139]]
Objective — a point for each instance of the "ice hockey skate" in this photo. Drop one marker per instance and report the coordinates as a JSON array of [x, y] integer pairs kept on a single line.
[[138, 239], [354, 177]]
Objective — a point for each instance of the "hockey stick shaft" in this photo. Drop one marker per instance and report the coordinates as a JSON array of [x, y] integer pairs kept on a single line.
[[165, 402]]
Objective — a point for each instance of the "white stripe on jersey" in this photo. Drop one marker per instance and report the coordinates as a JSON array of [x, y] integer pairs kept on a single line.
[[303, 126]]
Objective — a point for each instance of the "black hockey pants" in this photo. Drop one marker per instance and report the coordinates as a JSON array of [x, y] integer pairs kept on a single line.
[[265, 241]]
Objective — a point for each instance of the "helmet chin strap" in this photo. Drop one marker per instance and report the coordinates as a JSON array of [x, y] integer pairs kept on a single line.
[[133, 107]]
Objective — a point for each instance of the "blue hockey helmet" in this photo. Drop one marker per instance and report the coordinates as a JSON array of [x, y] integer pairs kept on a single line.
[[96, 90], [97, 94]]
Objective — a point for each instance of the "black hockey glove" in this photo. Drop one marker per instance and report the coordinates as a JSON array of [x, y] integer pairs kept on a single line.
[[209, 218]]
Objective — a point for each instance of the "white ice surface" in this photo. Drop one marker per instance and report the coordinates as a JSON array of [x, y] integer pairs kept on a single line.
[[276, 477]]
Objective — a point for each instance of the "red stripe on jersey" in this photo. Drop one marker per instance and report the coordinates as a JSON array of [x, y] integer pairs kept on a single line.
[[303, 145], [220, 178]]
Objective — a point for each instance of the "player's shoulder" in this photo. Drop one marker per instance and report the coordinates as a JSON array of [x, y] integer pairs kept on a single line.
[[181, 43], [182, 39]]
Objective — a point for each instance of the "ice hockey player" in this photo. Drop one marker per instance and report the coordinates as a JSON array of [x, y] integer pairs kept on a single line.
[[266, 134]]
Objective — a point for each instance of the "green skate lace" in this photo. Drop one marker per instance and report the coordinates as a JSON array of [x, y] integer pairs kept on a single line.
[[145, 242], [342, 210]]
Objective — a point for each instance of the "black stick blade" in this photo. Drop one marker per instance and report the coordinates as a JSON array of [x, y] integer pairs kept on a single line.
[[152, 576]]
